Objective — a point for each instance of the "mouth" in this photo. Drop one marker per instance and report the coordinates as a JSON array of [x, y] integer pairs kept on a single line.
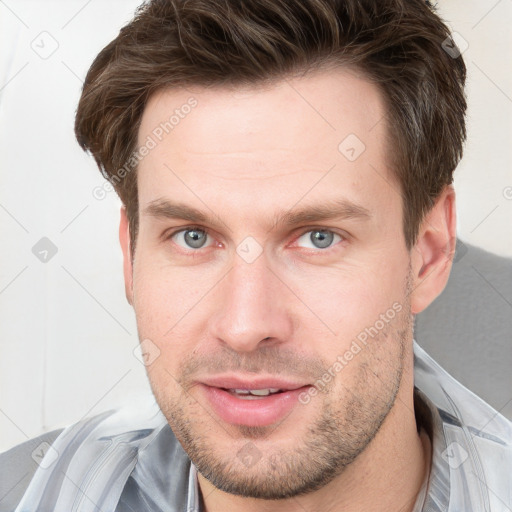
[[253, 394], [252, 403]]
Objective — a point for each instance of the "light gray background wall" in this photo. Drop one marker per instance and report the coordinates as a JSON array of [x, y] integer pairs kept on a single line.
[[67, 335]]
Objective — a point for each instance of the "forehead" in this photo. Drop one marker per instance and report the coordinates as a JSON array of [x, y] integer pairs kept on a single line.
[[319, 134]]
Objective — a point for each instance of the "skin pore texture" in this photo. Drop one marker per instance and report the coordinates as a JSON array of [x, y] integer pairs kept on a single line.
[[248, 158]]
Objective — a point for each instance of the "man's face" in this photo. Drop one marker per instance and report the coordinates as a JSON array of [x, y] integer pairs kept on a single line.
[[253, 296]]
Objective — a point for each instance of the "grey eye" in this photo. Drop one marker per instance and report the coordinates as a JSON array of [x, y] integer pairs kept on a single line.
[[321, 239], [191, 238], [318, 238]]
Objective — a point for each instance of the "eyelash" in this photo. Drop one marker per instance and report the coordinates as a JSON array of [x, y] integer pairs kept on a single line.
[[343, 237]]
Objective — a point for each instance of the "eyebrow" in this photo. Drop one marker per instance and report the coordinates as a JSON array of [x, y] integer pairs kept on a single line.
[[331, 210], [337, 209]]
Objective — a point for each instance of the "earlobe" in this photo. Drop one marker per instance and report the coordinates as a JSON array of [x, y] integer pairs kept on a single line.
[[124, 239], [432, 255]]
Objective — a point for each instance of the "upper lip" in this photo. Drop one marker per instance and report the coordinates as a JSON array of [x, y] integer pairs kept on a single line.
[[238, 382]]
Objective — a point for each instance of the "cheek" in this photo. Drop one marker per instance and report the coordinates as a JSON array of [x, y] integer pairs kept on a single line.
[[163, 325], [168, 299], [349, 299], [158, 313]]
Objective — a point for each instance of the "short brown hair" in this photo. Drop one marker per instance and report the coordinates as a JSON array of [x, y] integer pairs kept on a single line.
[[398, 44]]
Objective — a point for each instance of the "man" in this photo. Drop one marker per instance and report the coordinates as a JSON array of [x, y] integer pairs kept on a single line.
[[285, 169]]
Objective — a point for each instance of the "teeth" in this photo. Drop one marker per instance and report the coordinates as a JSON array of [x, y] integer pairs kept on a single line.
[[255, 392], [260, 392], [240, 391]]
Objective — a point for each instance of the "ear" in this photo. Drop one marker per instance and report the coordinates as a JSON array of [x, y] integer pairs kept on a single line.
[[432, 255], [124, 239]]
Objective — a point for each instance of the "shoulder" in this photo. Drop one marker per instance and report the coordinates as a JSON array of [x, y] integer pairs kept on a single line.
[[100, 453], [18, 465], [472, 442]]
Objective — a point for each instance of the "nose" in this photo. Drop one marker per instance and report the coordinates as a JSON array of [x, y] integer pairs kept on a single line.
[[253, 307]]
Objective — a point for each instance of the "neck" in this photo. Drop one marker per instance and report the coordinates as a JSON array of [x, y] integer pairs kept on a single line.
[[388, 475]]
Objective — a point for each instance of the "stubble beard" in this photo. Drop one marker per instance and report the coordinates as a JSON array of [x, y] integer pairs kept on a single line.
[[344, 429]]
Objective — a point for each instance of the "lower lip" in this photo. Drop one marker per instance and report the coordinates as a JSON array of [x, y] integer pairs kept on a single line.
[[258, 412]]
